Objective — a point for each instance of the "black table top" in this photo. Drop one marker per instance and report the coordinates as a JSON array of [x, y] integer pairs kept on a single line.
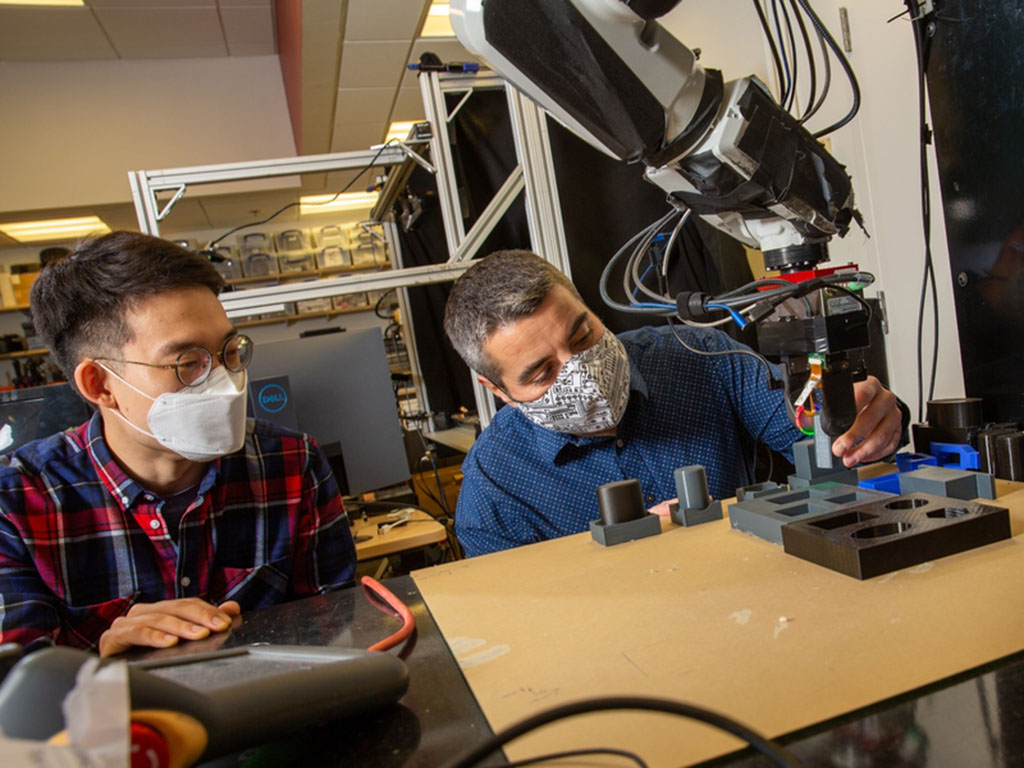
[[973, 719], [437, 718]]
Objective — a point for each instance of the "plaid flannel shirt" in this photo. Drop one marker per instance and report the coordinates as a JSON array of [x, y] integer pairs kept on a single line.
[[81, 541]]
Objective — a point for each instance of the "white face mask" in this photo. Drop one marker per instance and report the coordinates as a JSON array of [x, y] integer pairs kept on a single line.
[[590, 393], [201, 422]]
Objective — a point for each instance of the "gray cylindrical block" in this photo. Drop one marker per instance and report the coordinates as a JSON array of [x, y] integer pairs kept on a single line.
[[620, 501], [692, 487]]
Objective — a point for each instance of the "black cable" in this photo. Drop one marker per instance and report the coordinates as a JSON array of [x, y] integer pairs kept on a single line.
[[776, 754], [380, 300], [922, 49], [426, 488], [863, 302], [579, 753], [854, 85], [792, 55], [443, 502], [825, 86], [284, 208], [642, 249], [809, 49], [662, 287], [782, 49], [446, 520], [771, 44]]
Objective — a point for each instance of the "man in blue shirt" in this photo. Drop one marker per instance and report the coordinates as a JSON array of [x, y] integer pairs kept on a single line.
[[588, 408]]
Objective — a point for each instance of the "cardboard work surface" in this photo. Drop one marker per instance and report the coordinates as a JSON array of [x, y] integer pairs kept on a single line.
[[717, 618]]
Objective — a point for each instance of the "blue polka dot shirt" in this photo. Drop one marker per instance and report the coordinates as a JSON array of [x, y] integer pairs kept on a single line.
[[524, 483]]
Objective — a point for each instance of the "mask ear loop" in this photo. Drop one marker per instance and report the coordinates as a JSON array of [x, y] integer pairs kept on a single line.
[[124, 381], [117, 411]]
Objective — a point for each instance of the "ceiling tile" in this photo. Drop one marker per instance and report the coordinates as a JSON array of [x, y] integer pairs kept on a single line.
[[151, 4], [51, 34], [116, 216], [164, 32], [384, 19], [321, 49], [358, 136], [259, 49], [372, 65], [248, 28], [408, 105], [358, 105]]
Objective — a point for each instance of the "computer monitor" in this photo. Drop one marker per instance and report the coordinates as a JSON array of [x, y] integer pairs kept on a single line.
[[341, 388], [35, 412]]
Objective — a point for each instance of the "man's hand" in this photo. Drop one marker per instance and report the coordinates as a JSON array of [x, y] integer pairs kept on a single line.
[[877, 429], [159, 625]]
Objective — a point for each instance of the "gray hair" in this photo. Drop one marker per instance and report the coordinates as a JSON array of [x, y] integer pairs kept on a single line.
[[497, 291]]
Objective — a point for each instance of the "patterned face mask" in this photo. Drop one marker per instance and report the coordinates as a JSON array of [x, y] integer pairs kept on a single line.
[[590, 393]]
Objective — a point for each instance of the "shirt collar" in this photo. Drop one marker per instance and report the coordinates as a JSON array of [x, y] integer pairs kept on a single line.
[[558, 447], [125, 490]]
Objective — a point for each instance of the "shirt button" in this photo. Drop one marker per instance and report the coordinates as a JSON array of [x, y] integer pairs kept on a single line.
[[650, 498], [148, 496], [619, 443], [185, 581], [154, 524]]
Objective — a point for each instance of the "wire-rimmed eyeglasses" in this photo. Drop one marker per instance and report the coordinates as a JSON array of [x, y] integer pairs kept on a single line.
[[193, 366]]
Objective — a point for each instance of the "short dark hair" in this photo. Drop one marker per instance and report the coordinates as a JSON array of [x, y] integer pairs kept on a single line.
[[496, 291], [80, 302]]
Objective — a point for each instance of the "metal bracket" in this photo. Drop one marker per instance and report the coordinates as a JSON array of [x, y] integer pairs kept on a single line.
[[883, 313], [180, 193], [844, 23], [490, 216]]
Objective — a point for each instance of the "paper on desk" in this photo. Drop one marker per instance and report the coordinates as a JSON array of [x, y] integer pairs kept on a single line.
[[96, 712]]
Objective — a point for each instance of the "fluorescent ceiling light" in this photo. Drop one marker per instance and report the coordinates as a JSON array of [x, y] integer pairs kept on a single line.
[[437, 23], [399, 130], [350, 201], [54, 229], [42, 2]]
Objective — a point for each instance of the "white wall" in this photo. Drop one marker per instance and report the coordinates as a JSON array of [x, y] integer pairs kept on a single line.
[[72, 130], [879, 148]]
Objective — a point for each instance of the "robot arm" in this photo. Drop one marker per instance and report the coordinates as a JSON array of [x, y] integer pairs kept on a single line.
[[725, 150], [615, 77]]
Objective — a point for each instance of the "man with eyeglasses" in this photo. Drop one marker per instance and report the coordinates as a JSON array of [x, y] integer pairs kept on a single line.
[[169, 512]]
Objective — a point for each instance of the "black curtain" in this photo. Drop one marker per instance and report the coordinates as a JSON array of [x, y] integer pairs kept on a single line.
[[977, 115]]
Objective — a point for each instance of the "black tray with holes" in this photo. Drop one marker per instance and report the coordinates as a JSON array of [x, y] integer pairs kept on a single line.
[[881, 536]]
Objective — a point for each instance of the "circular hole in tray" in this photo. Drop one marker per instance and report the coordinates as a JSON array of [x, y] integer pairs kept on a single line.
[[949, 512], [886, 529], [906, 504]]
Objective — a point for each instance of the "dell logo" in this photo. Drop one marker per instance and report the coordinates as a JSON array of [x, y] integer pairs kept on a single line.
[[272, 398]]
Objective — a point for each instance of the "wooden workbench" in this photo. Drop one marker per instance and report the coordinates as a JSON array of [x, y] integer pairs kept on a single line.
[[718, 618], [420, 531]]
